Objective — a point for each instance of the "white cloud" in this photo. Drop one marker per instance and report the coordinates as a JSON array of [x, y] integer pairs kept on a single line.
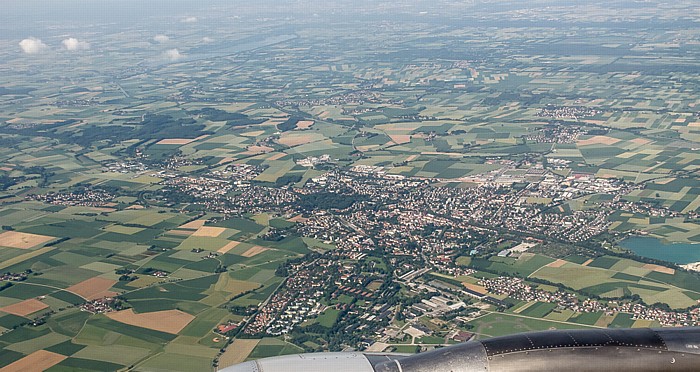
[[33, 45], [207, 40], [190, 20], [173, 54], [75, 44], [161, 38]]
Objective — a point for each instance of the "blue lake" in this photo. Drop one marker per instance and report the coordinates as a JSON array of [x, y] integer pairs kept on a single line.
[[679, 253]]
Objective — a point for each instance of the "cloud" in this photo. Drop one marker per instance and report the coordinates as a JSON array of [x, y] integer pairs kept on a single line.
[[207, 40], [173, 54], [161, 38], [75, 44], [33, 45], [189, 20]]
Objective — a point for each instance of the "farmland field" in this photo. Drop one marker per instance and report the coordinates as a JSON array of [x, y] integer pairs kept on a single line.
[[22, 240], [238, 352], [268, 347], [164, 321], [24, 308], [93, 288], [40, 360]]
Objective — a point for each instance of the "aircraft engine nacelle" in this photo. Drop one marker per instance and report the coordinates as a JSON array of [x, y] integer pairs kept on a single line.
[[621, 350]]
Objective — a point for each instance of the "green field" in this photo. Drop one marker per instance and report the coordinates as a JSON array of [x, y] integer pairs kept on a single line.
[[497, 324], [328, 318], [269, 347]]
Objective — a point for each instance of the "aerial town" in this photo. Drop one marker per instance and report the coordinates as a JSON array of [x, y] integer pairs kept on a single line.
[[187, 186]]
